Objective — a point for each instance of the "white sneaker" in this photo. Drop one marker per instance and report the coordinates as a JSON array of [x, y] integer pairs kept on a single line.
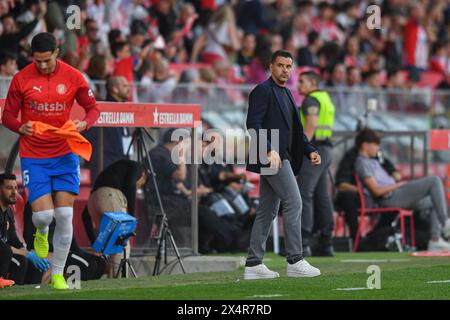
[[302, 269], [446, 229], [439, 245], [259, 272]]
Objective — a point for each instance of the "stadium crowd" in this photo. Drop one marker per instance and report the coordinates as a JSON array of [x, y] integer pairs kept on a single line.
[[230, 42]]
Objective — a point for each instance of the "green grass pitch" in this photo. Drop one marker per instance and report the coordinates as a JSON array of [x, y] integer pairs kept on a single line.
[[402, 277]]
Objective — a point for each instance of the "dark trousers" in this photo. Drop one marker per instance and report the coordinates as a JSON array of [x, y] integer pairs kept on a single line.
[[348, 202], [313, 181], [12, 266]]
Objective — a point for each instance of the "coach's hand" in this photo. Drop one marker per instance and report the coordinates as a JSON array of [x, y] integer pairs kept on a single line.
[[315, 158], [274, 159], [26, 129], [81, 125]]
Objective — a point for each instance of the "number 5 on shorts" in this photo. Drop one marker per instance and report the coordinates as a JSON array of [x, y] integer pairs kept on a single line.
[[26, 178]]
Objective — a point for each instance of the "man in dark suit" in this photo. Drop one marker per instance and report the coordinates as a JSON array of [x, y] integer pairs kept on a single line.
[[276, 152]]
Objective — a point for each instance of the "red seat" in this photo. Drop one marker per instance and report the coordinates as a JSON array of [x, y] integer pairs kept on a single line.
[[363, 211]]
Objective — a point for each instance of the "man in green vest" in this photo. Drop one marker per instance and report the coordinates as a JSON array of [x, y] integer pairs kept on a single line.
[[317, 116]]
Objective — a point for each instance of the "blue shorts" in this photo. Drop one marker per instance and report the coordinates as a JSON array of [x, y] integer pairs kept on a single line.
[[44, 176]]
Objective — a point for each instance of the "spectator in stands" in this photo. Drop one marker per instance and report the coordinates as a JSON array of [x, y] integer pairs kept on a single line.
[[163, 12], [8, 68], [301, 27], [252, 16], [125, 63], [220, 38], [160, 88], [353, 77], [11, 37], [15, 259], [116, 140], [355, 97], [352, 56], [33, 9], [416, 39], [419, 194], [395, 84], [259, 68], [338, 81], [325, 24], [373, 87], [138, 36], [97, 72], [393, 51], [439, 57], [247, 52], [308, 55]]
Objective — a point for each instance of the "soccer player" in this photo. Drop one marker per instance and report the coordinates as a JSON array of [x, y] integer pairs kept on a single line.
[[45, 91]]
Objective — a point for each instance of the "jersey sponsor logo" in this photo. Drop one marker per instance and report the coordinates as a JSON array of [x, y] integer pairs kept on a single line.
[[38, 88], [61, 89], [47, 107], [90, 93]]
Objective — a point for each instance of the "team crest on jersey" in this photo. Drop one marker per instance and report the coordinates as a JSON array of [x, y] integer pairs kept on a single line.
[[61, 89]]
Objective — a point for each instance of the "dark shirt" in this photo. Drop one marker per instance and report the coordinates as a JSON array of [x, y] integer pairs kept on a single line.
[[8, 232], [214, 171], [11, 41], [121, 175], [164, 169], [113, 149], [289, 113]]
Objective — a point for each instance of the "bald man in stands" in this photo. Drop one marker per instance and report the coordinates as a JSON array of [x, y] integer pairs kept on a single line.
[[115, 139]]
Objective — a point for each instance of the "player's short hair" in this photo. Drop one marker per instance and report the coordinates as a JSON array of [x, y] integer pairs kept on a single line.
[[366, 136], [281, 53], [311, 76], [43, 42], [6, 176]]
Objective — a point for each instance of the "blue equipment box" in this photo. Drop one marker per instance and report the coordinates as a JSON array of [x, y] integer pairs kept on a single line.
[[113, 226]]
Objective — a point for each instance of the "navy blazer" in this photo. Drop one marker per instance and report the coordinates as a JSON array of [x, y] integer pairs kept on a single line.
[[266, 111]]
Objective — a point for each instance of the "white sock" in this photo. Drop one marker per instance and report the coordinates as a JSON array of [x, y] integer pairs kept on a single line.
[[62, 238], [42, 220]]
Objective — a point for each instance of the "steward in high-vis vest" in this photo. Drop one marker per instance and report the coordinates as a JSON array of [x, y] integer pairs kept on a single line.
[[317, 117]]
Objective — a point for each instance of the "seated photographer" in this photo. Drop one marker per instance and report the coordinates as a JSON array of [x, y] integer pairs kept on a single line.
[[168, 176], [232, 186], [17, 264], [114, 191], [419, 194]]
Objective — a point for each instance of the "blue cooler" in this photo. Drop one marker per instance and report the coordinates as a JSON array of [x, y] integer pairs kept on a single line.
[[114, 226]]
